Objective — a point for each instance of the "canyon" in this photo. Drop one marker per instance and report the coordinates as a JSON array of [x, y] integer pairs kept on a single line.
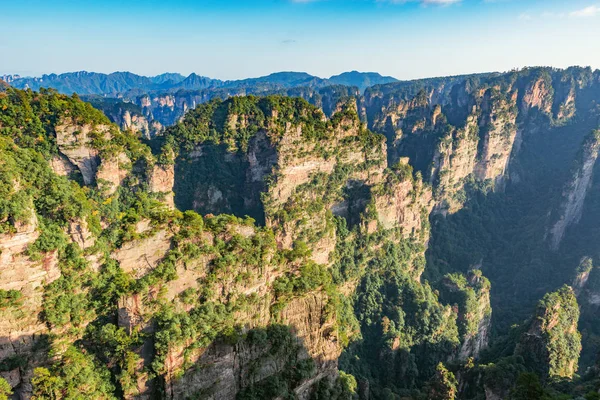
[[313, 240]]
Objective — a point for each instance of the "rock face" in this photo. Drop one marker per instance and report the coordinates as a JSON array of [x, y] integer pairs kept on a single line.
[[551, 344], [138, 123], [162, 180], [62, 166], [454, 161], [402, 202], [112, 172], [74, 142], [227, 369], [538, 95], [20, 328], [498, 133], [471, 296], [587, 285], [143, 255], [575, 193], [463, 130], [481, 150], [221, 369], [80, 234]]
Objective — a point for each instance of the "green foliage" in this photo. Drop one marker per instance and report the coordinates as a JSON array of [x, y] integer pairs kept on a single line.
[[67, 299], [343, 388], [27, 185], [5, 389], [114, 348], [558, 314], [467, 293], [30, 118], [235, 121], [75, 376], [404, 328], [109, 285], [278, 344], [10, 298], [443, 386], [528, 388], [501, 376], [52, 237], [202, 324]]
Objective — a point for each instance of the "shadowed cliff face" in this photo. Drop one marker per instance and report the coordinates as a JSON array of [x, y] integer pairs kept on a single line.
[[576, 190], [469, 129]]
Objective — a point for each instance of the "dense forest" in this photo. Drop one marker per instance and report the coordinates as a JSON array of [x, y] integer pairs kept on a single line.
[[431, 239]]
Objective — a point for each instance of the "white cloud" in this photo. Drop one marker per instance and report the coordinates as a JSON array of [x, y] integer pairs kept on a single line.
[[587, 12], [525, 17]]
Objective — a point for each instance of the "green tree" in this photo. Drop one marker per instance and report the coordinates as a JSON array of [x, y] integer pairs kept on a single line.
[[5, 389], [443, 385], [528, 388]]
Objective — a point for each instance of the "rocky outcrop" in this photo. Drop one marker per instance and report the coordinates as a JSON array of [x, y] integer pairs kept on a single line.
[[143, 255], [551, 344], [586, 286], [402, 202], [162, 181], [470, 295], [74, 142], [62, 166], [138, 123], [20, 327], [226, 369], [454, 160], [112, 172], [80, 234], [299, 163], [498, 131], [576, 190], [538, 95]]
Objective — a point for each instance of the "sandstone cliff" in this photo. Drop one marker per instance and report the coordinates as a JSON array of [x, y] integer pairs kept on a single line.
[[471, 296], [575, 193]]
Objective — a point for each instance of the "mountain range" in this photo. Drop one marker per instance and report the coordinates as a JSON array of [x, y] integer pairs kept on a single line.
[[93, 83]]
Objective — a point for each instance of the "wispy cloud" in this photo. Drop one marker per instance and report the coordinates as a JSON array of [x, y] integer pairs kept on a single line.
[[525, 17], [586, 12]]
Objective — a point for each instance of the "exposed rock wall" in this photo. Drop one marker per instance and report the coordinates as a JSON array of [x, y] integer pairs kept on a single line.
[[112, 172], [498, 132], [74, 142], [454, 160], [575, 193], [141, 256], [162, 180], [20, 327], [226, 369]]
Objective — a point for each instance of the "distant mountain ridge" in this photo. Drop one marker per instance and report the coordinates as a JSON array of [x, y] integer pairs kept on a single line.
[[94, 83], [362, 80]]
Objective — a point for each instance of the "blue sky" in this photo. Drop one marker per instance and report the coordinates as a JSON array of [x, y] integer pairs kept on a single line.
[[232, 39]]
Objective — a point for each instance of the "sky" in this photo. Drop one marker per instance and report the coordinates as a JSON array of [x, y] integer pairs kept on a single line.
[[233, 39]]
